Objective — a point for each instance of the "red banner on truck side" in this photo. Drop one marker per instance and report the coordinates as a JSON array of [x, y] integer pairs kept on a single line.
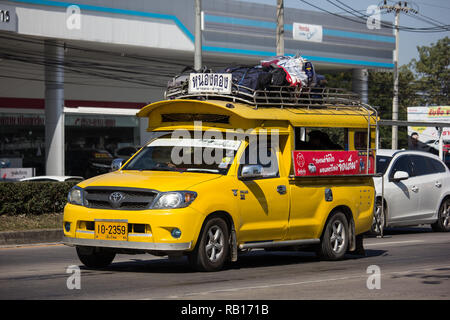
[[332, 163]]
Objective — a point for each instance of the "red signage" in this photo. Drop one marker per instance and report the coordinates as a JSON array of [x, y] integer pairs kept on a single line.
[[332, 163]]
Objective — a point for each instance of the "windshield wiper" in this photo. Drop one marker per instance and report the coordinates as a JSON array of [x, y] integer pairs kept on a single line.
[[202, 170], [163, 169]]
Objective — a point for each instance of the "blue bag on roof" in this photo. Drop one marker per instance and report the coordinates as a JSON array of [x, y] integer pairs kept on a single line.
[[254, 78]]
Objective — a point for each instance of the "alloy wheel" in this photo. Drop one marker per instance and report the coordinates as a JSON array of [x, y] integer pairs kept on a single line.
[[337, 239], [215, 243]]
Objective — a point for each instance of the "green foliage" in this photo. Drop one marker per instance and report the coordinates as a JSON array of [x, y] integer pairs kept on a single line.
[[421, 82], [433, 72], [33, 198], [381, 92], [339, 80]]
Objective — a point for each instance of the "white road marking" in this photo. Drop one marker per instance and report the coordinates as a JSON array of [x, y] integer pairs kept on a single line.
[[392, 242]]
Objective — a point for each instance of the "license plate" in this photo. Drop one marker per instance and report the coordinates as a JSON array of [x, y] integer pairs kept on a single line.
[[219, 83], [111, 230]]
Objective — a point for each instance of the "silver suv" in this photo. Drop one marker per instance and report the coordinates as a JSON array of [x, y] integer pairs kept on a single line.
[[416, 190]]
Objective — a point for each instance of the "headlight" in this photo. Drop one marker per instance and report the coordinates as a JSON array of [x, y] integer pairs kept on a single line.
[[178, 199], [75, 196]]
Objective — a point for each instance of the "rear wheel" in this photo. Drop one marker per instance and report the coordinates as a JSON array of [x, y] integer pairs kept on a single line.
[[443, 222], [334, 240], [96, 258], [212, 249]]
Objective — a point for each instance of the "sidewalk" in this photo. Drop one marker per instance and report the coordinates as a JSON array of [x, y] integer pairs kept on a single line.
[[30, 236]]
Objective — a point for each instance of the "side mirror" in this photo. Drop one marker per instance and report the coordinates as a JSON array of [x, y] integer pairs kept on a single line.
[[252, 171], [400, 175], [116, 164]]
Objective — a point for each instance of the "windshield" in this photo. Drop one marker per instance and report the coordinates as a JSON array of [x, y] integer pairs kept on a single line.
[[383, 163], [186, 155]]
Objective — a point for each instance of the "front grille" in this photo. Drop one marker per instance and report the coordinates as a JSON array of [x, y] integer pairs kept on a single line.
[[118, 198]]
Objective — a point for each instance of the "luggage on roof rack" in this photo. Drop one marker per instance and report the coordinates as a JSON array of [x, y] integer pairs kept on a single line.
[[278, 96], [279, 81]]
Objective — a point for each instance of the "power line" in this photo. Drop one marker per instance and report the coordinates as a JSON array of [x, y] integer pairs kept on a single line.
[[362, 19]]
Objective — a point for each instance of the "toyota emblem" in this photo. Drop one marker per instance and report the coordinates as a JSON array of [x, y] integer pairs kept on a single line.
[[116, 197]]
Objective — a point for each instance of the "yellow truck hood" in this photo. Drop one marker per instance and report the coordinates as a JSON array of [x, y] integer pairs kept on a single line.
[[157, 180]]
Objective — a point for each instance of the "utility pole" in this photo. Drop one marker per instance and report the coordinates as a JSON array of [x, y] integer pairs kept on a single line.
[[401, 6], [54, 108], [198, 35], [280, 28]]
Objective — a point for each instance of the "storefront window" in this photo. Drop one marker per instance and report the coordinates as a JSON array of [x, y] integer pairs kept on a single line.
[[91, 141], [22, 142]]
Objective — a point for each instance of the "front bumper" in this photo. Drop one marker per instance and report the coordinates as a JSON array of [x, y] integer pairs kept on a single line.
[[127, 244], [147, 229]]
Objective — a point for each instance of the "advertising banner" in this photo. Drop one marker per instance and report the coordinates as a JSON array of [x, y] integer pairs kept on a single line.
[[429, 114], [331, 163], [16, 173], [8, 18], [307, 32]]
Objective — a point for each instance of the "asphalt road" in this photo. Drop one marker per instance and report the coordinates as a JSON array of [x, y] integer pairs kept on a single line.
[[414, 263]]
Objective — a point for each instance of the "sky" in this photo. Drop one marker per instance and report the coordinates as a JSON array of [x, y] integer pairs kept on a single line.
[[438, 10]]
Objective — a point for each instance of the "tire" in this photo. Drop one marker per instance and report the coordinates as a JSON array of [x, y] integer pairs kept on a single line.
[[379, 219], [95, 258], [335, 238], [443, 222], [212, 249]]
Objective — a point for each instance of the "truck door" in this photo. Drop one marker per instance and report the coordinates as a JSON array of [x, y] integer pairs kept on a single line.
[[263, 201]]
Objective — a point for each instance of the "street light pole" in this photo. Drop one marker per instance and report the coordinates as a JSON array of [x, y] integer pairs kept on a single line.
[[280, 28], [395, 98], [198, 35], [401, 6]]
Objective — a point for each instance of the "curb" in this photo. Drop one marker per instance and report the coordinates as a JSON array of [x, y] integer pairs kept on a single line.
[[30, 236]]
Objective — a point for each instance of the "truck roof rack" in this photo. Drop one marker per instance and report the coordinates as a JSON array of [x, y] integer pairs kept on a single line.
[[275, 96]]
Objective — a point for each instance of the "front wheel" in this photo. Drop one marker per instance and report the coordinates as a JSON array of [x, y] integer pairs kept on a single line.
[[379, 219], [95, 258], [212, 249], [334, 242], [443, 222]]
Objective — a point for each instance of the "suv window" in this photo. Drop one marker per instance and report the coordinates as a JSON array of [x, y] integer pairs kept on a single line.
[[422, 165], [403, 163], [438, 166], [383, 163]]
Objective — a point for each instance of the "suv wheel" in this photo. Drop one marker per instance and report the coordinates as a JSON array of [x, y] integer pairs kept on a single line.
[[379, 219], [443, 222]]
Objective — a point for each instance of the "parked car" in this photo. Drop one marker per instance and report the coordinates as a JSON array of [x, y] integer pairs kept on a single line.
[[87, 162], [53, 179], [434, 146], [416, 190], [125, 153]]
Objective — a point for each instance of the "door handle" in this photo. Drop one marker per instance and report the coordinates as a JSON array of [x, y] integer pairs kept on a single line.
[[281, 189], [438, 184], [414, 188]]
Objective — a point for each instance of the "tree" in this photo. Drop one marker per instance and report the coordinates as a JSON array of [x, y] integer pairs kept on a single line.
[[380, 96], [421, 82], [433, 72]]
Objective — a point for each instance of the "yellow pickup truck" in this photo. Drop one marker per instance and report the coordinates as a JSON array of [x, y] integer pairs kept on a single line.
[[224, 175]]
